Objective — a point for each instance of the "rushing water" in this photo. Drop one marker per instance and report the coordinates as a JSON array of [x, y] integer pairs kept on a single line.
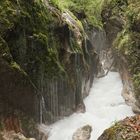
[[104, 106]]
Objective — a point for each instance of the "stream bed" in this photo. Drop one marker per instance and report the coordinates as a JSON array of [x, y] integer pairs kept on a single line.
[[104, 106]]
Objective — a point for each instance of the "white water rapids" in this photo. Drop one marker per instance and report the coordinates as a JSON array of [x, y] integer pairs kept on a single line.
[[104, 106]]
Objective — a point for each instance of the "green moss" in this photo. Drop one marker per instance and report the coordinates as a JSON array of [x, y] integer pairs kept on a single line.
[[126, 18], [127, 43], [133, 15], [1, 126], [61, 4], [3, 46], [121, 131], [33, 24], [136, 80], [33, 40], [29, 126], [15, 66], [91, 9], [112, 132]]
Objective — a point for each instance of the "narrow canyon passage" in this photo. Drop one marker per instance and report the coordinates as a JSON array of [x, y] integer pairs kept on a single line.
[[104, 106]]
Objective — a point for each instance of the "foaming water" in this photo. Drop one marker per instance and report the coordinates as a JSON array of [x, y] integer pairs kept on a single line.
[[104, 106]]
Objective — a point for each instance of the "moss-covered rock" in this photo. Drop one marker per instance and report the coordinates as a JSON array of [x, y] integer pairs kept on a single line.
[[121, 22], [47, 62], [127, 129], [88, 12]]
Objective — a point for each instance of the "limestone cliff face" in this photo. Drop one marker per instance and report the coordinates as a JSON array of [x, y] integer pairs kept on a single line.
[[121, 25], [47, 63]]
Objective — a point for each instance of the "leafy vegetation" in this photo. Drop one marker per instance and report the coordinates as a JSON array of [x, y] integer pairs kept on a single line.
[[127, 42], [22, 23], [32, 37], [89, 10]]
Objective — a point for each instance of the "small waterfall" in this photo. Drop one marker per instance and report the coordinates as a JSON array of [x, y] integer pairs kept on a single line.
[[41, 112], [85, 44]]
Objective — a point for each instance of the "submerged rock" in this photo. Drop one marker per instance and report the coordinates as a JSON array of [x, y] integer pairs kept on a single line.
[[127, 129], [81, 108], [83, 133]]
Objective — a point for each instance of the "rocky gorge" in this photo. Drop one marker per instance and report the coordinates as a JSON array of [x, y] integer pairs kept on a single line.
[[52, 51]]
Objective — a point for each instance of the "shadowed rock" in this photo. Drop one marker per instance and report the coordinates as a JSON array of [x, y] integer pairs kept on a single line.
[[11, 135]]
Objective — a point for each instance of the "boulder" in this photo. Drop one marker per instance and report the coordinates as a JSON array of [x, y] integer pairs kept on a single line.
[[127, 129], [83, 133]]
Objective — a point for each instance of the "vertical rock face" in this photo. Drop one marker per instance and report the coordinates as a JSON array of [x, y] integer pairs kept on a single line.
[[47, 62], [123, 40]]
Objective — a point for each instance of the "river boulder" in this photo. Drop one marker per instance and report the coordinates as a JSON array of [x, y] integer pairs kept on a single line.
[[127, 129], [83, 133]]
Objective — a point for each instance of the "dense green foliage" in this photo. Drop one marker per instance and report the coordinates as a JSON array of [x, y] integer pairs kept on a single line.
[[127, 42], [89, 10], [44, 51], [27, 29]]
